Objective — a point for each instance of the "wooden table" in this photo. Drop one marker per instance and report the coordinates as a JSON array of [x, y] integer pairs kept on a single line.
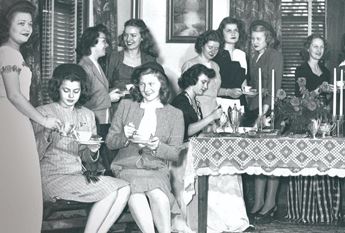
[[277, 156]]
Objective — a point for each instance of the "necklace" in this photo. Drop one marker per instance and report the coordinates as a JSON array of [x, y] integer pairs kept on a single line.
[[195, 105]]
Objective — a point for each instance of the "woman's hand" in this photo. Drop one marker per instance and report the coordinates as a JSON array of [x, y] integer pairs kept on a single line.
[[235, 92], [93, 148], [129, 130], [153, 143], [216, 114], [52, 123], [115, 96]]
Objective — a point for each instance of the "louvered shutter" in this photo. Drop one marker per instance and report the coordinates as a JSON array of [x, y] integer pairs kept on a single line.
[[62, 25]]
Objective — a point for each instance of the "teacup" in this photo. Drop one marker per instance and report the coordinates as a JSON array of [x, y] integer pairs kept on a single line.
[[83, 135]]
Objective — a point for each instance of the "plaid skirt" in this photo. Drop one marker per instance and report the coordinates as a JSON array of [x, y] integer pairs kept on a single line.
[[314, 199]]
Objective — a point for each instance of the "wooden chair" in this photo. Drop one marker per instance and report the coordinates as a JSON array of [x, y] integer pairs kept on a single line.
[[71, 215]]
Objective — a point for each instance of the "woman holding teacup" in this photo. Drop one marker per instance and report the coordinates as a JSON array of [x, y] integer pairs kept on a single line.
[[62, 157], [313, 199], [148, 133]]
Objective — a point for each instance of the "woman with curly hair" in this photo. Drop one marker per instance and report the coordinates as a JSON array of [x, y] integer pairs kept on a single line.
[[231, 59], [148, 133], [139, 47], [63, 159], [15, 127], [313, 199]]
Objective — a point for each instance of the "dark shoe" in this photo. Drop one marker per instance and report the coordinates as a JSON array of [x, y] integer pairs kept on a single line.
[[266, 217]]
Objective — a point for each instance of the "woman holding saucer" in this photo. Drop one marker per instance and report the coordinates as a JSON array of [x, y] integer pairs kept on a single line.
[[148, 133], [62, 158]]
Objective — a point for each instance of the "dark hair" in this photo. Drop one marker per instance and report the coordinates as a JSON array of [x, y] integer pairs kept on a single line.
[[7, 16], [90, 39], [241, 30], [148, 44], [304, 52], [158, 71], [270, 34], [71, 72], [191, 76], [202, 39]]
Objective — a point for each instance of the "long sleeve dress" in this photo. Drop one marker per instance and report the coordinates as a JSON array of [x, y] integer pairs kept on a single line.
[[232, 71], [61, 159], [226, 210], [269, 60], [145, 171], [20, 171], [313, 199]]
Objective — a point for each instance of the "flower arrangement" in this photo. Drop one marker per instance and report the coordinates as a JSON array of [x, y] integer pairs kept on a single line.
[[293, 114]]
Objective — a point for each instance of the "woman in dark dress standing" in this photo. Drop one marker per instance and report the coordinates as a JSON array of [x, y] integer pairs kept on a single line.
[[313, 199]]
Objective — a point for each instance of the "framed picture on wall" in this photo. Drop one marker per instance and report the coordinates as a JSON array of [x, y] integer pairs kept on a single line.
[[187, 19]]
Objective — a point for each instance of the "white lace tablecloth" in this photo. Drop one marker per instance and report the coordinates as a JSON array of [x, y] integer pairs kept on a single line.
[[281, 156]]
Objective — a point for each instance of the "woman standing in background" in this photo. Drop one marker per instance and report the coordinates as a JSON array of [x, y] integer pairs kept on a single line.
[[230, 59], [139, 48], [20, 173], [266, 57], [92, 46], [313, 199]]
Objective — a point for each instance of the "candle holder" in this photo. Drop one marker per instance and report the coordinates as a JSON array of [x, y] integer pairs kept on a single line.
[[339, 126]]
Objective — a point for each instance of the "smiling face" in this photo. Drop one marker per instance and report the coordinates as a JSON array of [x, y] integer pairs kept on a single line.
[[259, 41], [231, 34], [20, 28], [210, 49], [201, 85], [99, 49], [69, 93], [316, 49], [132, 37], [149, 86]]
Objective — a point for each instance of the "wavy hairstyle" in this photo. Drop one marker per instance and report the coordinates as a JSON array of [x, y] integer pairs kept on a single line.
[[6, 17], [157, 70], [241, 30], [202, 39], [89, 39], [270, 34], [309, 40], [148, 44], [191, 76], [71, 72]]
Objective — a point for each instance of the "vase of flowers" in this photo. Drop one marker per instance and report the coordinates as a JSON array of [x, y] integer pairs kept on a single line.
[[294, 114]]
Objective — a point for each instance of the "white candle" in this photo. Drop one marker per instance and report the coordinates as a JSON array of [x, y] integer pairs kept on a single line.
[[341, 93], [334, 93], [260, 93], [273, 91]]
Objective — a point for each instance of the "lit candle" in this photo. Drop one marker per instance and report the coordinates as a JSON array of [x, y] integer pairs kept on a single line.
[[273, 91], [341, 93], [334, 93], [260, 93]]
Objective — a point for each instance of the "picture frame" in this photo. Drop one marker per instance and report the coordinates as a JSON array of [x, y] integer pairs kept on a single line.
[[187, 19]]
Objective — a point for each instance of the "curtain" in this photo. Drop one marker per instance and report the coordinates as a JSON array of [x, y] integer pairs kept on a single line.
[[250, 10]]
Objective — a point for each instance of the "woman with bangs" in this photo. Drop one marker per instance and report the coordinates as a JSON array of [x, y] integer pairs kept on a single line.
[[63, 159]]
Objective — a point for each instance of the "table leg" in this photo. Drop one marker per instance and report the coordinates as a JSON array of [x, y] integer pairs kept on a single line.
[[202, 203]]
